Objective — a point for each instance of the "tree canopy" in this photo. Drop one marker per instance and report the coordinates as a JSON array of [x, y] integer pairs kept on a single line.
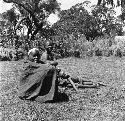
[[34, 15], [112, 2], [72, 21], [77, 21]]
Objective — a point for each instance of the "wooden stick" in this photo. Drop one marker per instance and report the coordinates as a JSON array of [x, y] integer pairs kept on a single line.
[[73, 84], [85, 84]]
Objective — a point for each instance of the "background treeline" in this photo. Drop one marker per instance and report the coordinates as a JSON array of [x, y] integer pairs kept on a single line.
[[78, 32]]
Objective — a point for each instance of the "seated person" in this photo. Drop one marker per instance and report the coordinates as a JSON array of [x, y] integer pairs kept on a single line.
[[38, 80], [34, 56]]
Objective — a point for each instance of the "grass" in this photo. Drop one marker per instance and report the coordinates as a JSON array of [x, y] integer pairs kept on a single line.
[[89, 104]]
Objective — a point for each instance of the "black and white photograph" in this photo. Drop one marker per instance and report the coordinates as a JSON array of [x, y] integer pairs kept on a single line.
[[62, 60]]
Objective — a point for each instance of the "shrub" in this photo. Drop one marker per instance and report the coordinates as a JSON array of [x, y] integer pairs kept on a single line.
[[98, 52], [87, 49], [118, 52]]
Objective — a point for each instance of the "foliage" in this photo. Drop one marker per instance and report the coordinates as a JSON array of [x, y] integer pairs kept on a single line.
[[72, 22], [8, 26], [104, 2], [119, 3], [106, 20], [34, 15], [77, 21]]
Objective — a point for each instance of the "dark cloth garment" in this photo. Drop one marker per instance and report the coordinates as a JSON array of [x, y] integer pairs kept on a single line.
[[38, 82]]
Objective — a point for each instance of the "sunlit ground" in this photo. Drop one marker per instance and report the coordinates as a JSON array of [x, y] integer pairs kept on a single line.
[[91, 104]]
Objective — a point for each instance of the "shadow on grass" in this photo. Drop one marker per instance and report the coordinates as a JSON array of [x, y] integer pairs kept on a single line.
[[59, 97]]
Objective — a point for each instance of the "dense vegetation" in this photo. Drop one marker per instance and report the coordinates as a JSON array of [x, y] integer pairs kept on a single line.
[[77, 29]]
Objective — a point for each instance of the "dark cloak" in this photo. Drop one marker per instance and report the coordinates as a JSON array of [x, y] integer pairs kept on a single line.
[[38, 82]]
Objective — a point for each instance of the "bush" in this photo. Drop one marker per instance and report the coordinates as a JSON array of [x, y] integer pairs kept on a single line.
[[87, 49], [98, 52], [118, 52], [83, 48], [107, 53], [123, 52], [77, 53]]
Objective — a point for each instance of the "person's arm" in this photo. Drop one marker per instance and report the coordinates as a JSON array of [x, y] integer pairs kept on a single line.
[[54, 63]]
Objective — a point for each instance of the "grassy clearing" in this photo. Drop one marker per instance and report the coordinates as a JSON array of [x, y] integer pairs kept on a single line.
[[103, 104]]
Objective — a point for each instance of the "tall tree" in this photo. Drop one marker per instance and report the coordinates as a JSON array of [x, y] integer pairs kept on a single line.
[[34, 14], [71, 21], [77, 21]]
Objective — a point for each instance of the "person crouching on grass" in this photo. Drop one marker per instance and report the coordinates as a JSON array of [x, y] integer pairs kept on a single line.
[[38, 80]]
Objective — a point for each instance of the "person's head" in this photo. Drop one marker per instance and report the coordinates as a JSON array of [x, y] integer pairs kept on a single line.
[[34, 55]]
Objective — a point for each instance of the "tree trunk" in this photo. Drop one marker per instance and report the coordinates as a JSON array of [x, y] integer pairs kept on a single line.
[[38, 28]]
